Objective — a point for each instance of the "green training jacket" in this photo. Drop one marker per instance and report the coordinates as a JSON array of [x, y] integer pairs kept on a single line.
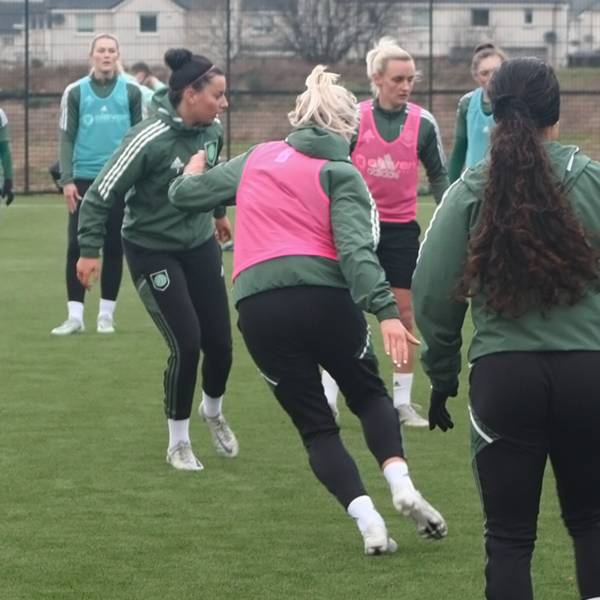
[[151, 155], [5, 155], [440, 316], [354, 221]]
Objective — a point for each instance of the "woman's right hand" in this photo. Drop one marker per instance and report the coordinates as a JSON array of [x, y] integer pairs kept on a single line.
[[72, 196], [196, 164], [88, 270], [396, 339]]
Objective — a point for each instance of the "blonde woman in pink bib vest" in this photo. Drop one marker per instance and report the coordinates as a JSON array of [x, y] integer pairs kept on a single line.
[[394, 135], [304, 267]]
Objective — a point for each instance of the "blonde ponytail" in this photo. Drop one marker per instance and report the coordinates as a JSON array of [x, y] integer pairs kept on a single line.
[[326, 104]]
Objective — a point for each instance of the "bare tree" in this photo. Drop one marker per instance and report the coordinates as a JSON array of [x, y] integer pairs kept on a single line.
[[326, 30]]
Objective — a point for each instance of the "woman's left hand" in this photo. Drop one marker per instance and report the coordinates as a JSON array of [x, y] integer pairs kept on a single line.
[[223, 231]]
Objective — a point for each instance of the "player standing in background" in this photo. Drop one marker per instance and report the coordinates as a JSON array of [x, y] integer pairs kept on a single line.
[[304, 256], [96, 112], [6, 190], [474, 118], [393, 136], [141, 75], [525, 251], [174, 258]]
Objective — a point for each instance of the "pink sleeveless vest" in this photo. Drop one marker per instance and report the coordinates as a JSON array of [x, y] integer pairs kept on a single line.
[[391, 169], [282, 209]]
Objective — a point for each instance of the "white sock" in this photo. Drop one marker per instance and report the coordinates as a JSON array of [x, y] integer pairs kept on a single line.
[[402, 388], [107, 307], [331, 389], [397, 475], [212, 406], [75, 310], [179, 431], [365, 514]]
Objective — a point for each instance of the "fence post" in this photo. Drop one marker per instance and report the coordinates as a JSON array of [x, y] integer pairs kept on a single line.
[[430, 69], [26, 99], [228, 71]]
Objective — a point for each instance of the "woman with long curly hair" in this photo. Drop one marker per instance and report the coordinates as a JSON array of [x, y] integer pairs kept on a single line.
[[517, 237]]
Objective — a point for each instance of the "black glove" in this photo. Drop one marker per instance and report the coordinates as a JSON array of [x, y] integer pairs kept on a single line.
[[7, 191], [438, 415], [54, 170]]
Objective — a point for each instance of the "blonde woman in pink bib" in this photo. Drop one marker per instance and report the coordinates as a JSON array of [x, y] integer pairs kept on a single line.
[[304, 266], [393, 137]]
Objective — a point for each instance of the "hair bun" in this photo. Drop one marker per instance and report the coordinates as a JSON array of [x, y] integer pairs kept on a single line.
[[508, 104], [484, 46], [176, 58]]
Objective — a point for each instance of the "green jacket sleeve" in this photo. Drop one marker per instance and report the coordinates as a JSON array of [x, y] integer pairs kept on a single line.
[[220, 211], [205, 192], [431, 154], [459, 150], [6, 159], [355, 225], [68, 126], [134, 95], [5, 155], [113, 181], [438, 314]]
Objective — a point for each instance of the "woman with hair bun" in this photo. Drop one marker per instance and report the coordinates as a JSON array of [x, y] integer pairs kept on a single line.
[[304, 257], [518, 237], [174, 258], [474, 118]]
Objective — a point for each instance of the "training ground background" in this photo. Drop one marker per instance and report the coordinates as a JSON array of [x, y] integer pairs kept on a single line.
[[90, 510]]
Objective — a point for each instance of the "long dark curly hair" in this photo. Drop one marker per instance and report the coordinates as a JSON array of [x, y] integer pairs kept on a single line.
[[529, 250]]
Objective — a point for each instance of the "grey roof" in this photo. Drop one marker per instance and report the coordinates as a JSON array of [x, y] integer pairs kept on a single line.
[[579, 6], [12, 16], [83, 4]]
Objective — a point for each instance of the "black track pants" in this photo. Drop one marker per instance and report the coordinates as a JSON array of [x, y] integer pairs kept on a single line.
[[112, 251], [184, 293], [527, 407], [292, 331]]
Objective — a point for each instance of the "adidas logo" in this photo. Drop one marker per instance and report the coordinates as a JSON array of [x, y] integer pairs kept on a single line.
[[104, 109], [177, 165]]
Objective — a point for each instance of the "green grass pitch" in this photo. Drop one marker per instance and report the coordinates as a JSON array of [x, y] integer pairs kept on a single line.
[[90, 510]]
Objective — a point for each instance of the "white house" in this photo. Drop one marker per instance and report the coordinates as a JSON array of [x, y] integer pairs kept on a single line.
[[584, 27], [60, 30], [522, 27]]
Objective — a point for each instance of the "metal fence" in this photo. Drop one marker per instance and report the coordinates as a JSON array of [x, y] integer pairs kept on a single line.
[[267, 47]]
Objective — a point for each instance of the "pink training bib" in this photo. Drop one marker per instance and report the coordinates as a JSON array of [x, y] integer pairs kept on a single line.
[[391, 169], [282, 209]]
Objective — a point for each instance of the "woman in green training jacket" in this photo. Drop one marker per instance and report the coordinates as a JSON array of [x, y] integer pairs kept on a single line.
[[174, 258], [95, 113], [304, 262], [474, 118], [6, 190], [524, 250]]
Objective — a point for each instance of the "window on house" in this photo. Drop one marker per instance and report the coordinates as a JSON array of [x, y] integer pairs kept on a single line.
[[148, 23], [528, 16], [85, 23], [480, 17], [261, 24], [419, 17]]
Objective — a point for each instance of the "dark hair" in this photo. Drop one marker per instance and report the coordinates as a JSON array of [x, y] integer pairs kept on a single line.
[[529, 250], [483, 51], [188, 69], [140, 67]]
